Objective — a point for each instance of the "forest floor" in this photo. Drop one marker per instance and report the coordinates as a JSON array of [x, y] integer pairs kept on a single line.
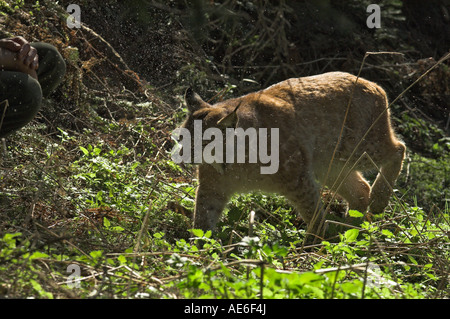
[[92, 206]]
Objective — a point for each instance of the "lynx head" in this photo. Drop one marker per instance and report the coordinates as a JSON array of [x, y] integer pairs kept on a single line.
[[204, 123], [211, 115]]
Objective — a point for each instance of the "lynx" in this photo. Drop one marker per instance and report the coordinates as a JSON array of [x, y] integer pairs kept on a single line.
[[309, 114]]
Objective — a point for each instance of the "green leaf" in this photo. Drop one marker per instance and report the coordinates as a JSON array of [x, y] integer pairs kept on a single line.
[[106, 222], [96, 151], [414, 261], [122, 259], [198, 232], [432, 277], [351, 287], [117, 229], [85, 151], [309, 277], [96, 254], [158, 235], [355, 213], [40, 290], [37, 254], [387, 233], [10, 239], [208, 234], [351, 235]]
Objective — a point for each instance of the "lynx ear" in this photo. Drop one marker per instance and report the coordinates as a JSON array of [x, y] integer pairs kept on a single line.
[[229, 120], [193, 101]]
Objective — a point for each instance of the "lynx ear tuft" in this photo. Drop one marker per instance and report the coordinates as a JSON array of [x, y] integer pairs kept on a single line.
[[229, 120], [193, 101]]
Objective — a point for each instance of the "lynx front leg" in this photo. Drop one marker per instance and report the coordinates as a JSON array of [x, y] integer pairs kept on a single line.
[[209, 204], [305, 196]]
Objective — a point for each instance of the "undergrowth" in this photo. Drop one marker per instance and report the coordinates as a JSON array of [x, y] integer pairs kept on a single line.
[[98, 222]]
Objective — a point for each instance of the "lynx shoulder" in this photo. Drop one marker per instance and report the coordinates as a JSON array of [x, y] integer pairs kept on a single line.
[[296, 128]]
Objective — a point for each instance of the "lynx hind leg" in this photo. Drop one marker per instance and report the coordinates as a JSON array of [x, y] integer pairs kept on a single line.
[[391, 166]]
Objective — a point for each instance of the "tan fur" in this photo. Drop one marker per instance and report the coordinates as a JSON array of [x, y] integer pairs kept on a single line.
[[309, 113]]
